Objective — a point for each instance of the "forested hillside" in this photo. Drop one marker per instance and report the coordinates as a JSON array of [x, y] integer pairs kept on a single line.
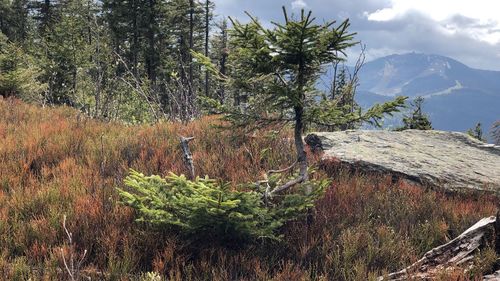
[[111, 59]]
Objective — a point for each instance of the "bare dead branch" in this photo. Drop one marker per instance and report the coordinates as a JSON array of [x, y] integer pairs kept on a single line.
[[282, 170], [458, 253], [299, 179], [72, 268], [282, 80], [137, 87]]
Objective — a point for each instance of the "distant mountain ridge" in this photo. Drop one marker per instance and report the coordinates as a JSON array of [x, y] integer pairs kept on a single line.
[[424, 75], [457, 96]]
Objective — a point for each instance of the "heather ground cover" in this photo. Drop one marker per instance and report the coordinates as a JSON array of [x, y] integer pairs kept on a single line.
[[55, 162]]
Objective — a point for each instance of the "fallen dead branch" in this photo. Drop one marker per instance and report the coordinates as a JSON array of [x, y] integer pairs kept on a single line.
[[458, 253]]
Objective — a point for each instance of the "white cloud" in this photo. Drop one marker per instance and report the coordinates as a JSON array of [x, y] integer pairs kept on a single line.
[[299, 4], [462, 29], [441, 9], [485, 12]]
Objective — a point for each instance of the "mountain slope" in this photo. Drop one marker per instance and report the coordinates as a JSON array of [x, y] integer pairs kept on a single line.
[[457, 96]]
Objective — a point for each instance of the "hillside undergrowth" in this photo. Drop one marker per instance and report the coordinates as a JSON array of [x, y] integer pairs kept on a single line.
[[56, 162]]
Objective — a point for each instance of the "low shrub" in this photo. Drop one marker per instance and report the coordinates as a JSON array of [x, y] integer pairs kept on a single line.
[[205, 206]]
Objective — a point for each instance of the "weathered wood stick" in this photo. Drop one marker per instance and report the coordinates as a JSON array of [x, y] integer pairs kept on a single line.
[[188, 157]]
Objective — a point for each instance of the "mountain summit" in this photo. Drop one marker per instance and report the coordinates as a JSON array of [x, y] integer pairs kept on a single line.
[[457, 96], [424, 75]]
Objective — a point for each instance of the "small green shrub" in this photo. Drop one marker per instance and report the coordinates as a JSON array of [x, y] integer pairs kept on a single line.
[[151, 276], [206, 209], [20, 269], [486, 262]]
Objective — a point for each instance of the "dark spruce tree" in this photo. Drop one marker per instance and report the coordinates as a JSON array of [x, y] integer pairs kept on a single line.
[[417, 120], [219, 55], [477, 132], [277, 70]]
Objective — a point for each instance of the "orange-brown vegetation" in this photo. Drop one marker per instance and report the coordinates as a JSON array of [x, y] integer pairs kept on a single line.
[[56, 162]]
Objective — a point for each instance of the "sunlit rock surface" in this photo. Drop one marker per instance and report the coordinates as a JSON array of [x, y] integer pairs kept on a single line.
[[449, 160]]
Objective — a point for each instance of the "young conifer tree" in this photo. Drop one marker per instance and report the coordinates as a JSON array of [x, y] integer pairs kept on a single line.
[[418, 120], [278, 68], [477, 132]]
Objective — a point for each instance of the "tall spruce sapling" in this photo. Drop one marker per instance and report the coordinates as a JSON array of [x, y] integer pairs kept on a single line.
[[477, 132], [417, 120], [19, 73], [278, 69]]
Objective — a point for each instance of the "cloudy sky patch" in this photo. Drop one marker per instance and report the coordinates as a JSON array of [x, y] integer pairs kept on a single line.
[[468, 31], [479, 19], [298, 4]]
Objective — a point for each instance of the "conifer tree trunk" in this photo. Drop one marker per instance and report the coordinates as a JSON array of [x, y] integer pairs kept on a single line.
[[46, 15], [299, 124], [136, 39], [191, 45], [207, 19], [222, 93], [2, 27], [299, 143], [89, 23], [151, 55], [334, 84]]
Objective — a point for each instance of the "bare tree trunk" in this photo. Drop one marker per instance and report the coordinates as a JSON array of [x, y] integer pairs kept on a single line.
[[334, 84], [299, 128], [99, 74], [207, 31], [191, 45], [151, 61], [222, 94], [135, 39]]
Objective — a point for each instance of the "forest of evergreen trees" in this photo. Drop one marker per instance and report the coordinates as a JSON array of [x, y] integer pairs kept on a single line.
[[112, 59]]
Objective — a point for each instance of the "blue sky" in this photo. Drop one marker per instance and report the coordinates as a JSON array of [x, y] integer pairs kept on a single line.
[[468, 31]]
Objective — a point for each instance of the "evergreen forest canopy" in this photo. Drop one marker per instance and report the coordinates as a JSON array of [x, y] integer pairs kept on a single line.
[[131, 60], [112, 59]]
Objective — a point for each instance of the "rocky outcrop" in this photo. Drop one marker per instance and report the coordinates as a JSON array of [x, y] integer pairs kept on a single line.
[[449, 160]]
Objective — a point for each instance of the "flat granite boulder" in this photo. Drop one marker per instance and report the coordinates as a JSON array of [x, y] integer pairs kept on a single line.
[[450, 160]]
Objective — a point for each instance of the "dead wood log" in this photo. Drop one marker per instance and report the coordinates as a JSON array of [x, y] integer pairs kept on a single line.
[[458, 253], [492, 277], [188, 157]]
